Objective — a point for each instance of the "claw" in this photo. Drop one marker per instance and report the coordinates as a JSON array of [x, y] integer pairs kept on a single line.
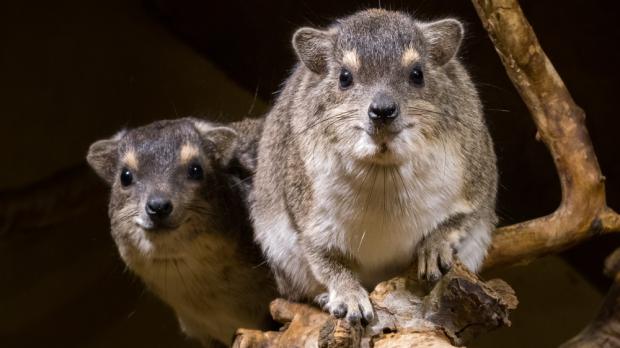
[[353, 304], [435, 258], [340, 311]]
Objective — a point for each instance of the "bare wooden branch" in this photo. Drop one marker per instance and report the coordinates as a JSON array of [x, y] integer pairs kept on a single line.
[[604, 330], [560, 122], [459, 308]]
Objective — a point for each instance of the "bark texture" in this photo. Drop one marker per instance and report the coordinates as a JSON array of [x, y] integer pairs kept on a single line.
[[459, 308], [583, 211], [604, 330]]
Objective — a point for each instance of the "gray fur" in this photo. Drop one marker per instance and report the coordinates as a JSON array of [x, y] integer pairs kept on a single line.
[[204, 263], [341, 203]]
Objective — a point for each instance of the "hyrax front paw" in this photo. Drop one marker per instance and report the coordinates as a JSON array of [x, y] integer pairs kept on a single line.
[[352, 304], [435, 257]]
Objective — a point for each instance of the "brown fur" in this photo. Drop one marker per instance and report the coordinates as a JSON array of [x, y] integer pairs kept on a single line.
[[201, 260], [340, 201]]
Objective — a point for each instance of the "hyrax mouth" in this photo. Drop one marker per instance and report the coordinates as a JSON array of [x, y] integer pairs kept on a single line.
[[156, 227], [382, 136]]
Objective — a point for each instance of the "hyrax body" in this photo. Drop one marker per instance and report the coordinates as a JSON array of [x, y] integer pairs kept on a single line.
[[180, 222], [375, 156]]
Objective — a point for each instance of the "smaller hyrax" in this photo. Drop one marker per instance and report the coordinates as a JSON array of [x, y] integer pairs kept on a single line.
[[180, 220], [374, 157]]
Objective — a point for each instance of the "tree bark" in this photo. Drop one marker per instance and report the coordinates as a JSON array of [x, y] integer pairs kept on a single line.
[[459, 308], [604, 330], [583, 211]]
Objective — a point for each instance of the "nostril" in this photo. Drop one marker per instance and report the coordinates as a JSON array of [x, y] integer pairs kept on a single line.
[[158, 207], [382, 112], [390, 112]]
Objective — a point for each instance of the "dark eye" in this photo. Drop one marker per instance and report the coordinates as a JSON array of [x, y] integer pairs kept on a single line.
[[416, 77], [194, 172], [346, 79], [126, 177]]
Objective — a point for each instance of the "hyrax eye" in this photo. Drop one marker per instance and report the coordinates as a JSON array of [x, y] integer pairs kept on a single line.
[[345, 79], [126, 177], [416, 76], [195, 172]]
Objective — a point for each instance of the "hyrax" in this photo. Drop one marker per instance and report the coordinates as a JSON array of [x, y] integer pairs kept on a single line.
[[180, 222], [375, 156]]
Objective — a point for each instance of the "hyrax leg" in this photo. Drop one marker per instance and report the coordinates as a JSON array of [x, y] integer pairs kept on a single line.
[[462, 236], [346, 297]]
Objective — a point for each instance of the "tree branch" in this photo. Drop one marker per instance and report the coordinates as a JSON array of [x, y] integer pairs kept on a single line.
[[459, 308], [560, 123], [604, 330]]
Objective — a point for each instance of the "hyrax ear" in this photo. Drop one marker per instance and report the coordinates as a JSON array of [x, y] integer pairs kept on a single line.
[[224, 139], [103, 157], [313, 47], [444, 38]]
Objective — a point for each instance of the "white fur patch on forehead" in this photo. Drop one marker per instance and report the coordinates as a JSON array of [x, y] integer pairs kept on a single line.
[[130, 159], [350, 59], [188, 152], [409, 56]]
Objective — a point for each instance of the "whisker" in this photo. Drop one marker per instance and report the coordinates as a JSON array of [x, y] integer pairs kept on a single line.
[[398, 190], [498, 110], [345, 114], [367, 204], [384, 200], [185, 285], [405, 187]]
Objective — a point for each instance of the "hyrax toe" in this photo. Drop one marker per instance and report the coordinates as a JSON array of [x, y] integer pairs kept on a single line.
[[322, 300], [435, 258], [353, 305]]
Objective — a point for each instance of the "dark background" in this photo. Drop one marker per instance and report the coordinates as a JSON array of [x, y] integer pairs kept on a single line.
[[72, 72]]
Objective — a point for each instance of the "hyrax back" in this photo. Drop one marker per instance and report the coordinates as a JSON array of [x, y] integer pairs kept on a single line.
[[375, 156], [180, 220]]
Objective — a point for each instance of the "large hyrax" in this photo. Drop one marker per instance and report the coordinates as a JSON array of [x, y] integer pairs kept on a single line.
[[180, 220], [374, 157]]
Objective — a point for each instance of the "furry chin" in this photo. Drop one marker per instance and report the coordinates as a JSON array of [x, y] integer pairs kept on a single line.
[[138, 244], [379, 152], [392, 146]]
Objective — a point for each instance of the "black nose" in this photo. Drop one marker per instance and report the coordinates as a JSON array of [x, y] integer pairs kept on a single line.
[[158, 207], [383, 110]]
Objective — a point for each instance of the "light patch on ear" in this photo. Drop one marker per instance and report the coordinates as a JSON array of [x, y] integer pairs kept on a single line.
[[313, 47], [223, 138], [188, 152], [130, 160], [103, 156], [409, 56], [202, 126], [444, 38], [350, 59]]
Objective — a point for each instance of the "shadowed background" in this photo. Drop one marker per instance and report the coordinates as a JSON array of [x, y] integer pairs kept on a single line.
[[72, 72]]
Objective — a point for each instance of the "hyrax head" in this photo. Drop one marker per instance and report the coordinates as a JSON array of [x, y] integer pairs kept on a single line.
[[384, 80], [162, 176]]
